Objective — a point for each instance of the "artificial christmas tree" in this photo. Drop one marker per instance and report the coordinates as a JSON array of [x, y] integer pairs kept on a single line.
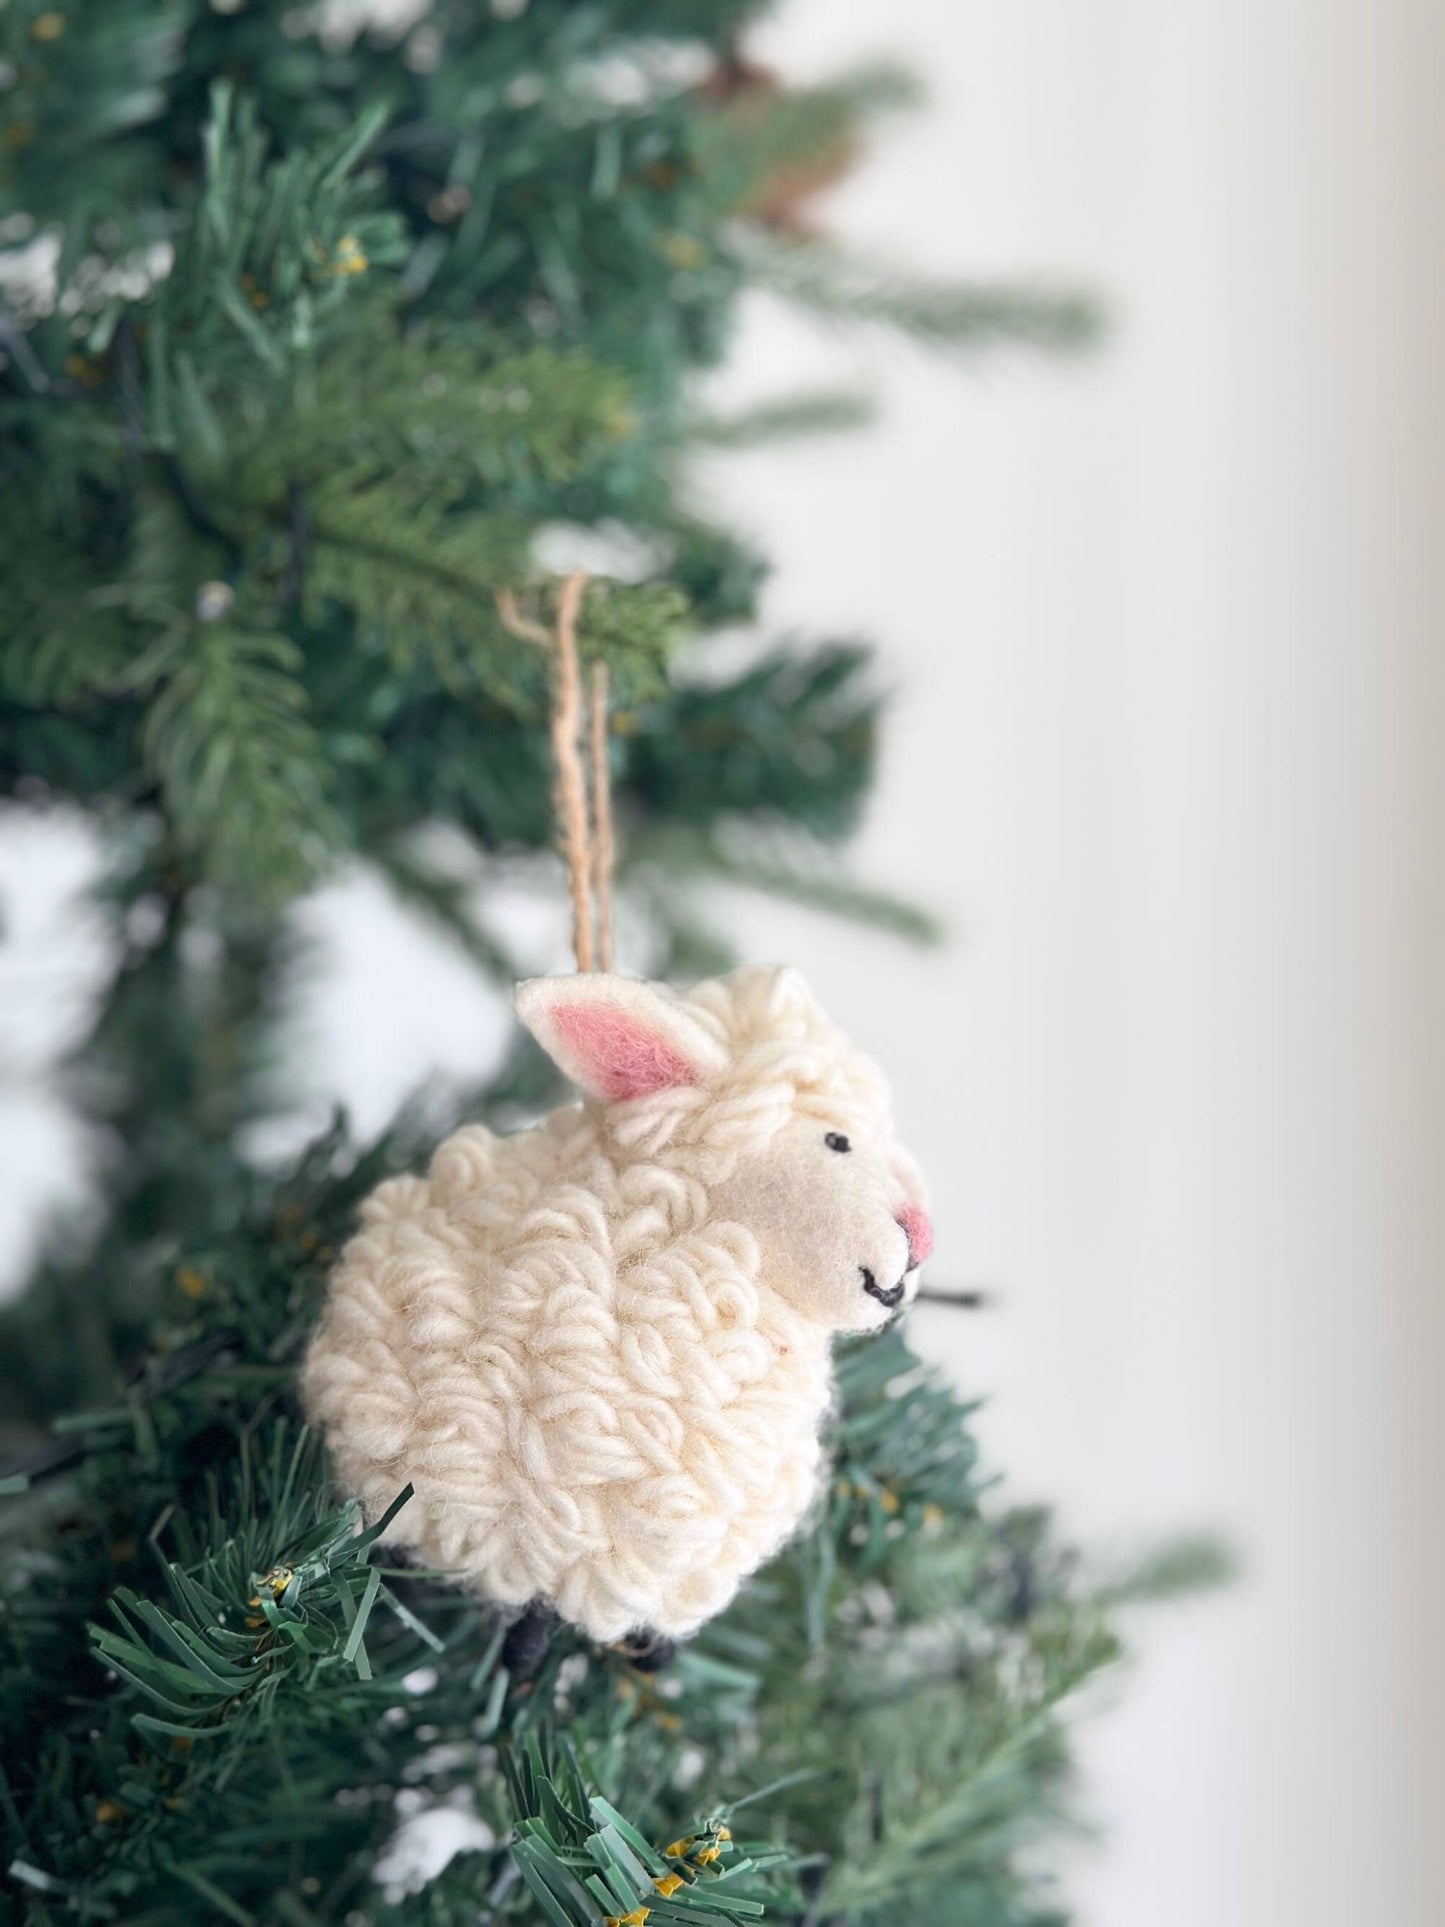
[[323, 326]]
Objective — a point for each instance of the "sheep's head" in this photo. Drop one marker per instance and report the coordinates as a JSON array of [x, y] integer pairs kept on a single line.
[[745, 1082]]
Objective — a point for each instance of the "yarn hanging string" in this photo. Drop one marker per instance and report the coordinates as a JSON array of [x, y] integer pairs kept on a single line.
[[603, 856], [581, 789]]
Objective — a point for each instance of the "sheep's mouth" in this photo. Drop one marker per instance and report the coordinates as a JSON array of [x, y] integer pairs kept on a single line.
[[892, 1297]]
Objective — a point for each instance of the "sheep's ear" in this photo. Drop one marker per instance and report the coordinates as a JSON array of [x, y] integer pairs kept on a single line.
[[617, 1038], [773, 988]]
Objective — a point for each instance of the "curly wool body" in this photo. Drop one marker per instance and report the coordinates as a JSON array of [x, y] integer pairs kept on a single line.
[[600, 1349]]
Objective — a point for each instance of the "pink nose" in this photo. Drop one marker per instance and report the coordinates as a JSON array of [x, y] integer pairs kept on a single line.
[[918, 1230]]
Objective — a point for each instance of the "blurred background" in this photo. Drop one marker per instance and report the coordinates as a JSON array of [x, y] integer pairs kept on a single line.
[[1162, 626]]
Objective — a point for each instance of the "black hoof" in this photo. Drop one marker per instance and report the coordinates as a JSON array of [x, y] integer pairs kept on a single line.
[[648, 1652], [525, 1646]]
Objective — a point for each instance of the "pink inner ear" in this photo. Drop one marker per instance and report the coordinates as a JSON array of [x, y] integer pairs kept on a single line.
[[621, 1057], [918, 1230]]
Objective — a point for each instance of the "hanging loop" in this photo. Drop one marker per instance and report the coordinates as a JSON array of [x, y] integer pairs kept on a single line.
[[582, 824]]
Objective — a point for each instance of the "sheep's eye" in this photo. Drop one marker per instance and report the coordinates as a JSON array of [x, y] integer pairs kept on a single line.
[[836, 1141]]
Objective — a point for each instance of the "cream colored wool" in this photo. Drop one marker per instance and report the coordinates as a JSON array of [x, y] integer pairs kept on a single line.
[[600, 1349]]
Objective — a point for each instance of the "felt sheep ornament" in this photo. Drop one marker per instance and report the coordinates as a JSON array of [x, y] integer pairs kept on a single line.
[[600, 1349]]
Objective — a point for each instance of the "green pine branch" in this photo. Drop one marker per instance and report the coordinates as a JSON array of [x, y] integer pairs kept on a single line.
[[936, 314], [270, 250], [238, 761], [824, 413], [279, 1606], [583, 1861]]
